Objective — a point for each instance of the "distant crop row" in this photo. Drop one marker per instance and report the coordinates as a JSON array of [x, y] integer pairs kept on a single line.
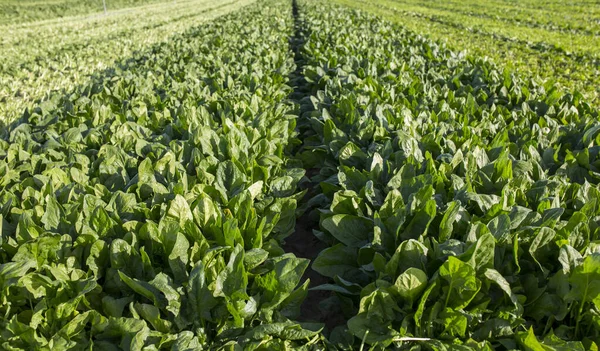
[[534, 50], [39, 59], [149, 208], [22, 11], [555, 16]]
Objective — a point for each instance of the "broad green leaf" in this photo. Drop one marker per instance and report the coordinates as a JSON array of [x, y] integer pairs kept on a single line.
[[145, 289], [338, 260], [52, 215], [232, 281], [352, 231], [463, 284], [585, 281], [199, 295], [180, 210], [282, 280], [410, 284], [497, 278]]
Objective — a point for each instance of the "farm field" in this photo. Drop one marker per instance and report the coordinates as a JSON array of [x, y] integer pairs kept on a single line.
[[556, 42], [300, 175], [58, 55], [21, 11]]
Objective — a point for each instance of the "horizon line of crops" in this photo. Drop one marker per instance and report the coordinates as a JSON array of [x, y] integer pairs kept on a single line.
[[516, 17], [26, 11], [533, 60], [561, 23]]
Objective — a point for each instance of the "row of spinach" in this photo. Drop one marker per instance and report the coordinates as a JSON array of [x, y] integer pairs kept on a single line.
[[460, 204], [145, 210]]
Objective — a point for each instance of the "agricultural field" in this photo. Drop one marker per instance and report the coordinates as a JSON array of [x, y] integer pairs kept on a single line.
[[300, 175], [22, 11], [39, 58], [550, 40]]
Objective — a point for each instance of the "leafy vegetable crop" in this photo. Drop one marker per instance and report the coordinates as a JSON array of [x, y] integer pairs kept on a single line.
[[556, 43], [38, 60], [22, 11], [149, 209], [459, 202], [145, 211]]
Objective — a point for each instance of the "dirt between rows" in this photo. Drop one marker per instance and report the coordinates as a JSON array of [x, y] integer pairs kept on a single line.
[[303, 243]]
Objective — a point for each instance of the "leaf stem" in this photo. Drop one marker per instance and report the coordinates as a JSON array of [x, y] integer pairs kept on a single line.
[[581, 308], [449, 292], [362, 345], [410, 339]]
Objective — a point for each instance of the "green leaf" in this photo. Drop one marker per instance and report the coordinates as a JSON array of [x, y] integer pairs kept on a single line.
[[284, 330], [371, 331], [145, 289], [291, 307], [420, 223], [455, 323], [180, 210], [585, 281], [528, 341], [254, 258], [483, 251], [200, 297], [352, 231], [463, 285], [410, 253], [338, 260], [114, 307], [98, 258], [177, 248], [232, 281], [447, 223], [52, 215], [544, 237], [410, 284], [230, 178], [497, 278], [152, 314], [282, 280]]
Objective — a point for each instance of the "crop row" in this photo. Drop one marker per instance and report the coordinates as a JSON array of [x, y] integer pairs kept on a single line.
[[23, 11], [563, 18], [532, 56], [39, 59], [579, 44], [145, 210], [458, 202]]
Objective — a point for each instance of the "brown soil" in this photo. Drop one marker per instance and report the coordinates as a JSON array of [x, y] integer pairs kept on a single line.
[[304, 244]]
